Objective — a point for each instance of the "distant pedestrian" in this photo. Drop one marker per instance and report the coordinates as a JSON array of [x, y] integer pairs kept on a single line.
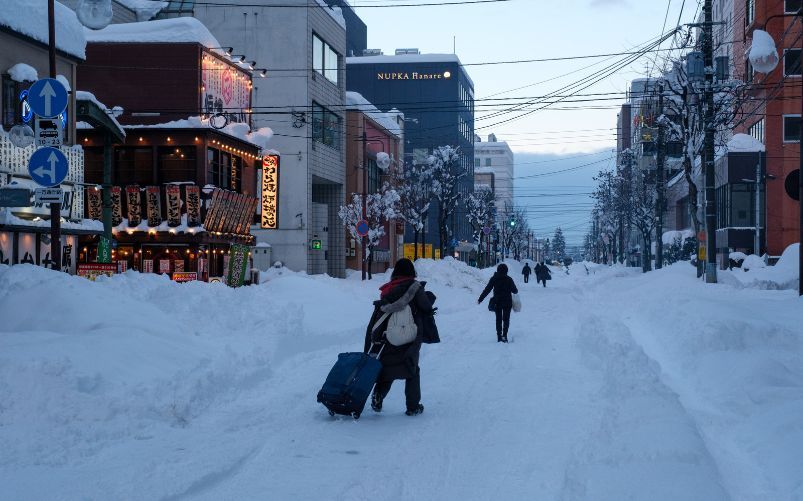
[[526, 272], [503, 288], [542, 273]]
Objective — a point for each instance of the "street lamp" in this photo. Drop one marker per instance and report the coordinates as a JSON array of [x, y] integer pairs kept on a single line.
[[764, 58]]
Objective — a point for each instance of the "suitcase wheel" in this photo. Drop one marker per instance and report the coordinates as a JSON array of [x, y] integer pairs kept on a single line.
[[355, 415]]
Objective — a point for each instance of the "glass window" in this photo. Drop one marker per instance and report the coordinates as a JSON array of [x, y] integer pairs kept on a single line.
[[792, 6], [10, 99], [330, 65], [750, 11], [176, 164], [133, 165], [791, 128], [757, 130], [791, 62], [476, 162], [325, 127], [324, 59], [317, 54], [487, 162], [742, 210], [224, 170]]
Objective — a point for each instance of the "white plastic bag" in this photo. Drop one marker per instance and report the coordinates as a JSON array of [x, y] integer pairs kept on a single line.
[[516, 303]]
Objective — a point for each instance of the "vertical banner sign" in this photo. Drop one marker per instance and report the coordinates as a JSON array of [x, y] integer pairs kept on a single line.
[[104, 250], [238, 262], [211, 211], [147, 265], [202, 268], [178, 265], [117, 205], [193, 195], [173, 205], [134, 205], [164, 266], [270, 192], [94, 203], [154, 206]]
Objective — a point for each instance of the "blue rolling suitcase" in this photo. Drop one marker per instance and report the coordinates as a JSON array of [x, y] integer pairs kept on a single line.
[[350, 382]]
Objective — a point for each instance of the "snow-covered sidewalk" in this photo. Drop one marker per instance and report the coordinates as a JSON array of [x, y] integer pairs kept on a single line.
[[616, 385]]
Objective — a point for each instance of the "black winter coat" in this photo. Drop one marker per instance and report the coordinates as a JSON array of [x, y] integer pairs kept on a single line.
[[542, 272], [503, 288], [399, 362], [527, 270]]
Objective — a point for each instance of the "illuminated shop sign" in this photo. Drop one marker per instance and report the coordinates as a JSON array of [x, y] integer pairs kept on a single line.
[[413, 75], [270, 192]]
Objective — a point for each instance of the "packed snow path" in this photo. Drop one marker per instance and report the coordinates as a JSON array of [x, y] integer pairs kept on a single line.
[[604, 393]]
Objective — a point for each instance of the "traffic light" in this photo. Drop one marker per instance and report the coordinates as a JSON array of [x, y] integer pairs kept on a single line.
[[512, 222]]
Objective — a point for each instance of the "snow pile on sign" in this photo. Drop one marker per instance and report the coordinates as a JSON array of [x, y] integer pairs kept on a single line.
[[174, 30], [260, 137], [83, 95], [744, 143], [355, 101], [756, 275], [29, 17], [22, 72]]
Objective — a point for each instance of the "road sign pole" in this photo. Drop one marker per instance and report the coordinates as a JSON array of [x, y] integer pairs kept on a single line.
[[55, 209]]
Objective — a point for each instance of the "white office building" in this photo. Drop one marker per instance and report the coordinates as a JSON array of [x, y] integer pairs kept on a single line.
[[493, 169]]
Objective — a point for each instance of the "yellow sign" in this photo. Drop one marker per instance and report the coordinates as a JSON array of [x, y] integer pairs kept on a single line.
[[424, 251], [702, 243], [270, 192]]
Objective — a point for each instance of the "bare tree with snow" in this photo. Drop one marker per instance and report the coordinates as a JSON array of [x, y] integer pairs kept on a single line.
[[481, 207], [414, 186], [381, 208], [447, 171]]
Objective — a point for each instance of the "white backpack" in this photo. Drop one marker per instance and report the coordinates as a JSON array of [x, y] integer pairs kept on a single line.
[[402, 328]]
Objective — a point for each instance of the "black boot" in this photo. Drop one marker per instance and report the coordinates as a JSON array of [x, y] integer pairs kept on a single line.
[[376, 402], [418, 409]]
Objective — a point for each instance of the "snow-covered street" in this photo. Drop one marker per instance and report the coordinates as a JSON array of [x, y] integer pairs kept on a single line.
[[616, 385]]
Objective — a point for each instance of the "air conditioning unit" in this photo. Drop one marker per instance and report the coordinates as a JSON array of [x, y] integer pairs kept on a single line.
[[400, 52], [372, 52]]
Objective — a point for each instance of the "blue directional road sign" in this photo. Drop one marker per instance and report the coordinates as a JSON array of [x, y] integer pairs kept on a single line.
[[48, 167], [47, 98]]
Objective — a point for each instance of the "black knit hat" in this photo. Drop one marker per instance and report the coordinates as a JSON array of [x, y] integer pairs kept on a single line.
[[404, 268], [502, 268]]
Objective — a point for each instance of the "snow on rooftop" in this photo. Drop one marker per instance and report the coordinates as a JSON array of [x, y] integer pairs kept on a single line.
[[22, 72], [29, 18], [145, 9], [744, 143], [175, 30], [335, 12], [259, 137], [83, 95], [355, 101]]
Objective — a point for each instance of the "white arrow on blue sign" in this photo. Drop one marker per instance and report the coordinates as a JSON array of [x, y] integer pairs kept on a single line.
[[48, 167], [47, 98]]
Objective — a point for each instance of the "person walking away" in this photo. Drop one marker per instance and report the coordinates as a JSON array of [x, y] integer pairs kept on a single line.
[[400, 362], [503, 288], [542, 273], [526, 272]]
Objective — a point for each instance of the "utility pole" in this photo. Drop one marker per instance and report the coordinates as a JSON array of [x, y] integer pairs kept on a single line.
[[55, 209], [659, 182], [708, 148]]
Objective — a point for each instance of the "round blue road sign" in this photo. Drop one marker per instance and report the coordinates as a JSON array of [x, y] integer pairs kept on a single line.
[[48, 167], [47, 98], [362, 227]]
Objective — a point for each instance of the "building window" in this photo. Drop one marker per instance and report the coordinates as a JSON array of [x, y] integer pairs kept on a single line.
[[325, 126], [476, 162], [791, 62], [133, 165], [176, 164], [757, 130], [750, 11], [223, 169], [748, 72], [791, 128], [487, 162], [324, 59], [792, 6]]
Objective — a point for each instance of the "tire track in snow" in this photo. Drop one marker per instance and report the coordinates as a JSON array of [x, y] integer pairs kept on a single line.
[[645, 445]]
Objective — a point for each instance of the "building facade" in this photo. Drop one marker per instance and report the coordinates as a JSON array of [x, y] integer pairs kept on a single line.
[[302, 51], [494, 163], [25, 230], [436, 95], [370, 133]]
